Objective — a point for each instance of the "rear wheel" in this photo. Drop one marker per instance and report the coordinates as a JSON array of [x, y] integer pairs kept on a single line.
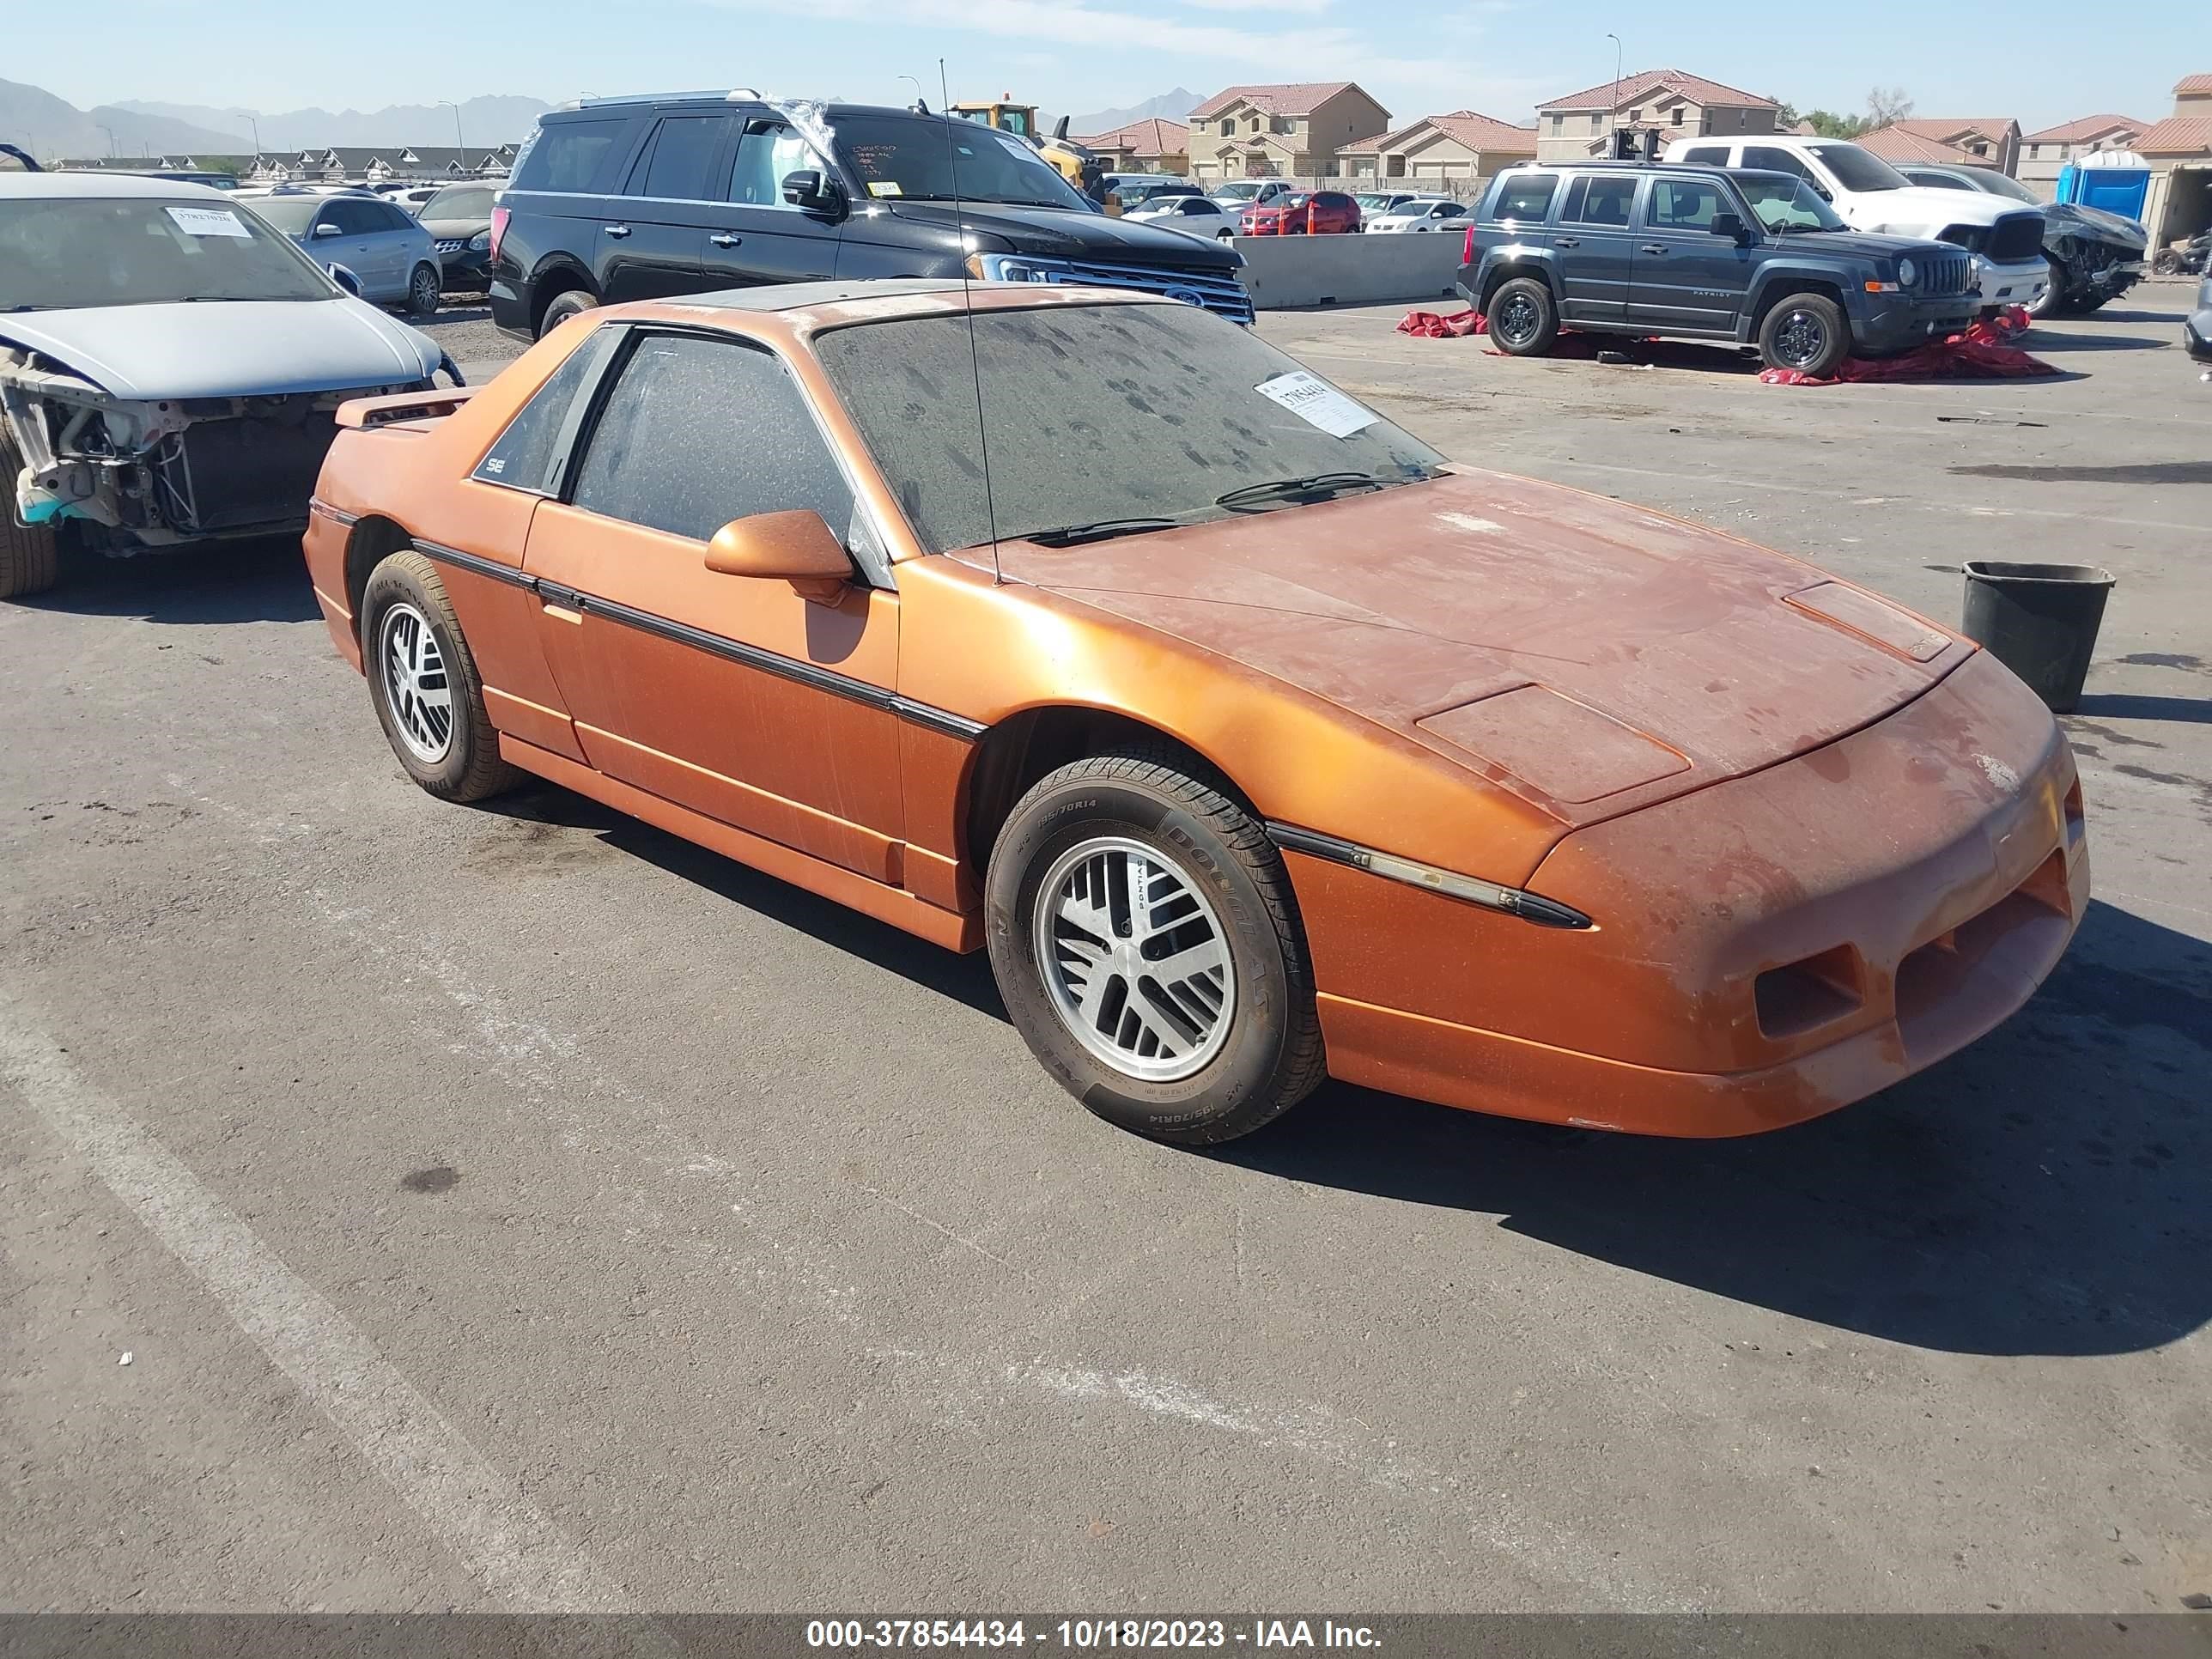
[[1145, 937], [424, 289], [562, 308], [1523, 318], [424, 683], [1806, 332], [30, 555]]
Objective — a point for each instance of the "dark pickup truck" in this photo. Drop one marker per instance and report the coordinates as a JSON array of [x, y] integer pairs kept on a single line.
[[646, 197], [1699, 252]]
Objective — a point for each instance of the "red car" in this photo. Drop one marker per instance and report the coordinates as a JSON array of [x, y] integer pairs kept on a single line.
[[1303, 213]]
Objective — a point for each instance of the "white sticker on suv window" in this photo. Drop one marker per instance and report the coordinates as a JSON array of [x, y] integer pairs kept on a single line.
[[1317, 403], [207, 222], [885, 187]]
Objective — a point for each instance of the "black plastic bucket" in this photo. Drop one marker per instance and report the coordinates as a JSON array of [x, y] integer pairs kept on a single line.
[[2039, 620]]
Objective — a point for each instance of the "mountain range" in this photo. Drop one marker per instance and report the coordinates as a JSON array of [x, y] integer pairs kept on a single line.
[[49, 127], [1168, 106]]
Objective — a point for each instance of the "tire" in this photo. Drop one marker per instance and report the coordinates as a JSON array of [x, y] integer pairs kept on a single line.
[[561, 307], [2165, 262], [2053, 302], [1070, 846], [1806, 332], [1523, 318], [30, 555], [403, 608], [425, 287]]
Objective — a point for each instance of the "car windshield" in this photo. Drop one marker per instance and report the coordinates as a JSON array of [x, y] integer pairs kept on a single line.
[[291, 213], [1240, 192], [1938, 180], [63, 254], [1166, 408], [1996, 184], [1372, 203], [1859, 169], [460, 201], [1785, 205], [932, 158]]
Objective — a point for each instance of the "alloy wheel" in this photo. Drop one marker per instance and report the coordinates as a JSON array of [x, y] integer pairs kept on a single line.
[[1135, 961], [1801, 340], [1517, 319], [415, 682]]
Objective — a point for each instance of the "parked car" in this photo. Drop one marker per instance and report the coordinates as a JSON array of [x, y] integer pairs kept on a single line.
[[1248, 761], [1869, 194], [2094, 256], [628, 199], [1252, 193], [2196, 327], [1303, 213], [382, 244], [169, 368], [1374, 201], [1136, 190], [1194, 215], [1421, 214], [1649, 249], [459, 219], [408, 196]]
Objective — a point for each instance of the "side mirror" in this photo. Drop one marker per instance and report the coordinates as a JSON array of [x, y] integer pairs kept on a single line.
[[1733, 227], [326, 229], [811, 188], [795, 547], [345, 279]]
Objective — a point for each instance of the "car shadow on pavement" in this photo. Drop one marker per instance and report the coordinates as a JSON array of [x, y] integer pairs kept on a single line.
[[2047, 1191], [2126, 706], [263, 579], [2041, 338]]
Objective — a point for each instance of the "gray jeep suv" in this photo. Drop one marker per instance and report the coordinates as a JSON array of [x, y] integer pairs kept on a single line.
[[1649, 249]]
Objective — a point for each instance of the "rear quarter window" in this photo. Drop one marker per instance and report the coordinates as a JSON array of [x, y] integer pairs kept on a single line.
[[572, 155]]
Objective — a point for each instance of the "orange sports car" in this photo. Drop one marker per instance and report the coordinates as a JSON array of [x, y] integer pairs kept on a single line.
[[1255, 740]]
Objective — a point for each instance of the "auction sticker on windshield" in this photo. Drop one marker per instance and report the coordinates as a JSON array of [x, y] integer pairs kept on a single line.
[[1315, 402], [209, 221]]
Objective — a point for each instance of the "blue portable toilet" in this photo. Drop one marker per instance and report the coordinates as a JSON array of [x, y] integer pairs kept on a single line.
[[2117, 180]]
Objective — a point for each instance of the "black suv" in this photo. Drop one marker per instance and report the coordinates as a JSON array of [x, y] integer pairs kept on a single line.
[[1649, 249], [640, 199]]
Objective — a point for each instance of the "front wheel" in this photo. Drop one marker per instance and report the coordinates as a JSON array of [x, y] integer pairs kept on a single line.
[[2052, 301], [1144, 934], [423, 680], [1806, 332], [425, 287], [30, 555], [1523, 318]]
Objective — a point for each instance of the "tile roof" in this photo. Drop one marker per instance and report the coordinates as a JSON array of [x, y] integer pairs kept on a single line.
[[1290, 98], [2177, 135], [2192, 86], [1472, 128], [1941, 128], [1894, 143], [2089, 127], [1151, 137], [1643, 81]]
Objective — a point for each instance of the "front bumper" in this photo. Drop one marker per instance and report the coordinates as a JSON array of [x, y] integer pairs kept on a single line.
[[1689, 1009], [2021, 284], [2115, 279], [465, 267], [1884, 331]]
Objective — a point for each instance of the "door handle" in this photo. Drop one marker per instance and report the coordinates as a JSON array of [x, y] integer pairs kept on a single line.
[[617, 231], [723, 239], [1567, 241], [1652, 247]]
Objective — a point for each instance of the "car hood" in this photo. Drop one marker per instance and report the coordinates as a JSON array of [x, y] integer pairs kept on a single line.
[[2113, 228], [1063, 233], [1924, 205], [1860, 244], [474, 224], [239, 349], [1590, 656]]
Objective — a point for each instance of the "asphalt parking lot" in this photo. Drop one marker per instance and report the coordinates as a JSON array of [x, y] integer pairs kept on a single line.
[[515, 1206]]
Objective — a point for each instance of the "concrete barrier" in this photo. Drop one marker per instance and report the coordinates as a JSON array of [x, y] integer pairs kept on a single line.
[[1349, 271]]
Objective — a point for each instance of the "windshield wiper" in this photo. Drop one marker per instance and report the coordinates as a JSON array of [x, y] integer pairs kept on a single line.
[[1069, 534], [1316, 484]]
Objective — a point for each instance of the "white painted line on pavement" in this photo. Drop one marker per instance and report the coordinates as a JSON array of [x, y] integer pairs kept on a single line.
[[504, 1540]]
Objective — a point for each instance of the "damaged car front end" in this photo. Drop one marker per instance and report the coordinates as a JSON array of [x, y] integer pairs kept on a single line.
[[170, 370]]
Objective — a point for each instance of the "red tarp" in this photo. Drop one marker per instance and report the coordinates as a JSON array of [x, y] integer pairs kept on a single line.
[[1984, 351]]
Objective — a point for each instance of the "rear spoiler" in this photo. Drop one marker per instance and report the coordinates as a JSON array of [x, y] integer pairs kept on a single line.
[[436, 403]]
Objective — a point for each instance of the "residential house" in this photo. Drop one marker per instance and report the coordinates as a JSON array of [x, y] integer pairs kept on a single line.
[[1984, 142], [2042, 154], [1679, 106], [370, 165], [1150, 146], [2180, 152], [1460, 147], [1290, 131]]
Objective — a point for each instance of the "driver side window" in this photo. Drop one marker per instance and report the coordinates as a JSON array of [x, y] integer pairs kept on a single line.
[[768, 152]]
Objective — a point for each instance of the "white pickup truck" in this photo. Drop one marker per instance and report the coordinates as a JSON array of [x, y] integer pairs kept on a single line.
[[1869, 194]]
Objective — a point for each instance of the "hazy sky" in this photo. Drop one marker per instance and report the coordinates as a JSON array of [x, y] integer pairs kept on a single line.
[[2041, 61]]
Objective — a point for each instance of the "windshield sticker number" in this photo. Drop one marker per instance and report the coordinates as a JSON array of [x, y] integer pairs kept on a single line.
[[1318, 403], [209, 221], [885, 187]]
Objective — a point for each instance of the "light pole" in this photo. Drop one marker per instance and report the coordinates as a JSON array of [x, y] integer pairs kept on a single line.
[[255, 126], [110, 131], [1613, 120], [460, 142]]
